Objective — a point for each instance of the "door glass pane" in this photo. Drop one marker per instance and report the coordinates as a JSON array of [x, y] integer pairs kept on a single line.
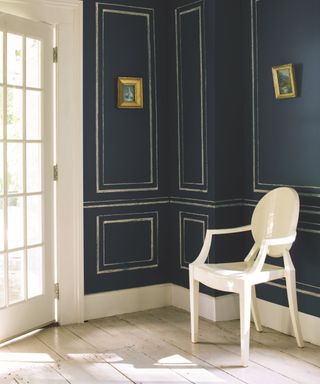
[[33, 111], [14, 59], [15, 222], [34, 220], [15, 276], [1, 57], [33, 167], [15, 167], [1, 169], [14, 113], [1, 113], [34, 272], [1, 225], [2, 287], [33, 47], [21, 169]]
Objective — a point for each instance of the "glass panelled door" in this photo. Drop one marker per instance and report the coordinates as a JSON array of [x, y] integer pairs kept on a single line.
[[26, 185]]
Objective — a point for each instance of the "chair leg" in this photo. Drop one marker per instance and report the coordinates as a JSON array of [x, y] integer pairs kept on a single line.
[[194, 307], [293, 306], [254, 310], [245, 304]]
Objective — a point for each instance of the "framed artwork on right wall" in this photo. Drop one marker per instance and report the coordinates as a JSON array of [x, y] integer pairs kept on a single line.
[[284, 81]]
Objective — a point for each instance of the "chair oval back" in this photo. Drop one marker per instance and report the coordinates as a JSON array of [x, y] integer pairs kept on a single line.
[[276, 215]]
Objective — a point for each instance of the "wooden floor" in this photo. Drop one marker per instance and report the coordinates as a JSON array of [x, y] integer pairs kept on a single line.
[[154, 347]]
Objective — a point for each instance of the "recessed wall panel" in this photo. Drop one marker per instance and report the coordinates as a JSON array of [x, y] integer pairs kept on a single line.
[[191, 91], [126, 139], [286, 131], [127, 242], [192, 228]]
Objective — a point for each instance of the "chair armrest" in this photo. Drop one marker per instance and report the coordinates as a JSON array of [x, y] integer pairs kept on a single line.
[[207, 241], [226, 231]]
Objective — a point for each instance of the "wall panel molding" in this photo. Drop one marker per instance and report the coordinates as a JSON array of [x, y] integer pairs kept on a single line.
[[191, 179], [103, 185], [126, 224], [204, 203], [185, 219], [262, 183]]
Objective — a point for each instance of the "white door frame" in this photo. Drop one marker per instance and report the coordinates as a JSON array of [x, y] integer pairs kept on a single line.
[[66, 16]]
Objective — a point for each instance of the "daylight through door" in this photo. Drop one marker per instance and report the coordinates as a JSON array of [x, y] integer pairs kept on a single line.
[[26, 190]]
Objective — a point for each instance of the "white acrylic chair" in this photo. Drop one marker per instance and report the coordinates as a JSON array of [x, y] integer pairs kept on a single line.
[[273, 227]]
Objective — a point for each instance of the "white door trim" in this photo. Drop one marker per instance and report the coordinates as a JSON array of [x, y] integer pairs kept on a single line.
[[66, 15]]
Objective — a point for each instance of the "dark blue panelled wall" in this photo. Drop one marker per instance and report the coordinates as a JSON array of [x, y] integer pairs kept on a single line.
[[207, 167], [210, 140], [126, 187], [283, 136]]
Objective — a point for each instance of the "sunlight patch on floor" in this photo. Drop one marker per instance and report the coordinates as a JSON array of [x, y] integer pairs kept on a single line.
[[19, 338], [175, 360], [22, 357]]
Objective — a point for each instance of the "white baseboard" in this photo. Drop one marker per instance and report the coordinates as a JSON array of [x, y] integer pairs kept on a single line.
[[155, 296], [212, 308], [278, 317], [112, 303]]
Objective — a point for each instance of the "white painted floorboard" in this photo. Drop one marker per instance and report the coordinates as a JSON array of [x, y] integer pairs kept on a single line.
[[154, 347]]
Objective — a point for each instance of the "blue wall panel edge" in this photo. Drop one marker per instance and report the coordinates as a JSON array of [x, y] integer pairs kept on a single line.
[[125, 247], [191, 104], [106, 107], [307, 244], [260, 183], [118, 237], [135, 207]]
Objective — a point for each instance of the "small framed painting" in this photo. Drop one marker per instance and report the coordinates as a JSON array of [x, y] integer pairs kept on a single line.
[[284, 81], [130, 92]]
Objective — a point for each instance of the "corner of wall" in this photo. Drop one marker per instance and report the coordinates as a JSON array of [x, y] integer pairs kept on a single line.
[[211, 308]]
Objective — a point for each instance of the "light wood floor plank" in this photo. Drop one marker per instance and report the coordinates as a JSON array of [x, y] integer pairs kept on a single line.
[[154, 347], [21, 372], [164, 354], [273, 339], [134, 359], [262, 354], [89, 372], [28, 349], [84, 361], [224, 355]]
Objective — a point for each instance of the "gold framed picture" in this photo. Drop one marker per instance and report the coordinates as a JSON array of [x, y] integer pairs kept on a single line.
[[130, 92], [284, 81]]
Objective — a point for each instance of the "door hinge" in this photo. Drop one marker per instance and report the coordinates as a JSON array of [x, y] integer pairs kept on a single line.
[[56, 291], [55, 172], [55, 54]]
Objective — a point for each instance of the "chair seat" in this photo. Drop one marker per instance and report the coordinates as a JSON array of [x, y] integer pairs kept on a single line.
[[223, 276]]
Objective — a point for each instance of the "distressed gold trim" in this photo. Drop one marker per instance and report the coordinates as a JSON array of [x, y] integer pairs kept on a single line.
[[137, 83], [292, 81]]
